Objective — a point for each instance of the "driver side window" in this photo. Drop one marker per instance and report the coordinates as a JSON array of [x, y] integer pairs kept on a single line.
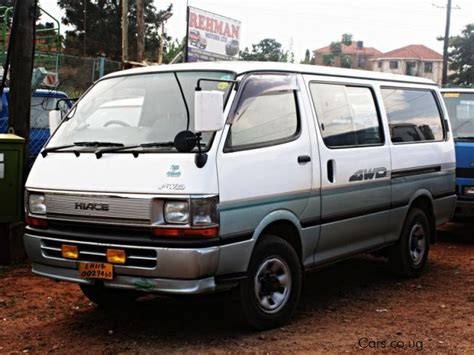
[[265, 116]]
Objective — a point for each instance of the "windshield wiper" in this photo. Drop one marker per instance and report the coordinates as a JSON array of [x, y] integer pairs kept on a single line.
[[99, 152], [45, 151]]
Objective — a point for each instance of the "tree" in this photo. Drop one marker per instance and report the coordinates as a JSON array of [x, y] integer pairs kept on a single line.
[[267, 50], [99, 20], [307, 57], [335, 48], [346, 39], [461, 57], [346, 61]]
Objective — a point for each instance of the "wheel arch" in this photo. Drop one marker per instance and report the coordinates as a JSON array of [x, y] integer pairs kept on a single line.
[[423, 200], [284, 224]]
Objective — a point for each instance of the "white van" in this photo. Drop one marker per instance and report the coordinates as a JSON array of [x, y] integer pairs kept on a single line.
[[277, 169]]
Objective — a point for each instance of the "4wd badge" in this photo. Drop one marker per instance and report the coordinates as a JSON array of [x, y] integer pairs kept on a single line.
[[174, 171]]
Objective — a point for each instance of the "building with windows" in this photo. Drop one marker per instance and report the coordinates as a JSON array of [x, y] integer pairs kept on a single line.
[[354, 55], [414, 59]]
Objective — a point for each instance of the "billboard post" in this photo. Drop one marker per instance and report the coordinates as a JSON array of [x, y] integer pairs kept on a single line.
[[210, 36], [187, 35]]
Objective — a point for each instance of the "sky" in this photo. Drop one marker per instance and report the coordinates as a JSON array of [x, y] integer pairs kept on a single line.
[[310, 24]]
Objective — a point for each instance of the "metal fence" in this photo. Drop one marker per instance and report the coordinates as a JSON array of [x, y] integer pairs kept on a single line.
[[74, 76]]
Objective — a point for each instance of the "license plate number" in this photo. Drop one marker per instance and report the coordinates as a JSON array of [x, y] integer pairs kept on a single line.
[[96, 271]]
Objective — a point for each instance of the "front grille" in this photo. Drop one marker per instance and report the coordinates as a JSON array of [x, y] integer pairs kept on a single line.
[[110, 208], [136, 257], [467, 173]]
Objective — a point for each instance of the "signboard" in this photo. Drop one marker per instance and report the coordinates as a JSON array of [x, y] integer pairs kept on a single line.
[[211, 37]]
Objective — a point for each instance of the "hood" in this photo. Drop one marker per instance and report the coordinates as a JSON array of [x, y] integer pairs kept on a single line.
[[150, 173]]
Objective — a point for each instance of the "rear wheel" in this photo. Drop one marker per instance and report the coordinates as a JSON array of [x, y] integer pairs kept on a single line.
[[108, 297], [271, 292], [408, 257]]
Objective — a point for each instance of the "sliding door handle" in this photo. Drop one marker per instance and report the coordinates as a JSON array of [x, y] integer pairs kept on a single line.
[[304, 159], [331, 170]]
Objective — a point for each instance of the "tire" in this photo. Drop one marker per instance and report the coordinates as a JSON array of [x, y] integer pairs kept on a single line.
[[271, 292], [408, 257], [108, 297]]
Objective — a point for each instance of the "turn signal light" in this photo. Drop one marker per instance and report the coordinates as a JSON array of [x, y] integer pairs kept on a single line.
[[36, 222], [69, 251], [116, 256], [186, 232]]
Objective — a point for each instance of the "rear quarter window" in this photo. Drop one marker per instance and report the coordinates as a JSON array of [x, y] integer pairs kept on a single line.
[[413, 115]]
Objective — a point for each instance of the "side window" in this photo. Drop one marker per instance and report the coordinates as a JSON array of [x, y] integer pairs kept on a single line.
[[266, 118], [413, 115], [347, 115]]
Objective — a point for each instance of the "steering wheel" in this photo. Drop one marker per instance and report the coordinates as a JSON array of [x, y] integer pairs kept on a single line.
[[120, 123]]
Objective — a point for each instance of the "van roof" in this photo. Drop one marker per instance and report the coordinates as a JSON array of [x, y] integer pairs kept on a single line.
[[460, 90], [241, 67]]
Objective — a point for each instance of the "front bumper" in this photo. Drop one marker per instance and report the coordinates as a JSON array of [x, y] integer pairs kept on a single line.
[[145, 284], [464, 209], [173, 270]]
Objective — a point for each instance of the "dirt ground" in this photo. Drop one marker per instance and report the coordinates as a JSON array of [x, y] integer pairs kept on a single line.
[[354, 306]]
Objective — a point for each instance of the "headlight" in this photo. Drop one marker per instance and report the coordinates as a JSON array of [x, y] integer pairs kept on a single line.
[[37, 204], [177, 212], [468, 190], [204, 211]]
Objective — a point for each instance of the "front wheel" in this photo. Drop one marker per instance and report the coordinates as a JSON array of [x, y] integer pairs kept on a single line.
[[408, 257], [271, 292]]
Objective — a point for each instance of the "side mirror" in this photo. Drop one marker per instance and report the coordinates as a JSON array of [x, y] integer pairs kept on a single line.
[[208, 111], [55, 118]]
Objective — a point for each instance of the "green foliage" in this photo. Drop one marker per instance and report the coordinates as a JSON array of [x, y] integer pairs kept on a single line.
[[172, 49], [267, 50], [328, 59], [307, 57], [346, 61], [102, 27], [335, 48], [461, 57], [346, 39]]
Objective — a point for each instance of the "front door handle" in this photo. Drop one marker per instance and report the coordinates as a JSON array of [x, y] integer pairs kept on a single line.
[[304, 159]]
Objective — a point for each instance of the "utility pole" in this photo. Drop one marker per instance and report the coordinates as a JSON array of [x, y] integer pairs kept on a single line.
[[124, 31], [140, 31], [444, 79], [21, 68]]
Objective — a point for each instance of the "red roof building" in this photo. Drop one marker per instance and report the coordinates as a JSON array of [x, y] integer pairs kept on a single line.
[[414, 59], [354, 54]]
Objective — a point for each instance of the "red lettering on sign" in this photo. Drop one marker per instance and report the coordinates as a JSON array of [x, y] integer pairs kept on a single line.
[[192, 20], [202, 21], [209, 24]]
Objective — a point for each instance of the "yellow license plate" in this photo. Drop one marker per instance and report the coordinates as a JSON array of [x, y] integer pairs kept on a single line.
[[96, 271]]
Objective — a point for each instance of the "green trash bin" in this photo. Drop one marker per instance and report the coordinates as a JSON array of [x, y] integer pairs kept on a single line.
[[11, 177]]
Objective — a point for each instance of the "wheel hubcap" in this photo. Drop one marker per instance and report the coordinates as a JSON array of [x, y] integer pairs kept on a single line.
[[272, 285], [416, 243]]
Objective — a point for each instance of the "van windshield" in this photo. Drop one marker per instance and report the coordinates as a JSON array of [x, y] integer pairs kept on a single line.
[[138, 109], [461, 113]]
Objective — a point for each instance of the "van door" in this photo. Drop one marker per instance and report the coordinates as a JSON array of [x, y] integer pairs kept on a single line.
[[355, 165], [264, 159]]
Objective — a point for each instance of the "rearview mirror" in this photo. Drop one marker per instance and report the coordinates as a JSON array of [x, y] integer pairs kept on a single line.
[[208, 111], [55, 118]]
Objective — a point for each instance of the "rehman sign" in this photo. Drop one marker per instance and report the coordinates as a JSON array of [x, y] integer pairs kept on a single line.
[[213, 25], [212, 36]]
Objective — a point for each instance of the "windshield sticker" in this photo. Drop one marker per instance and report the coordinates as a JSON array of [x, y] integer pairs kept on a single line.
[[174, 171], [222, 85], [172, 187]]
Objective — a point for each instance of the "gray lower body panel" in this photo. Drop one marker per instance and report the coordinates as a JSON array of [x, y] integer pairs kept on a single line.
[[131, 282]]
